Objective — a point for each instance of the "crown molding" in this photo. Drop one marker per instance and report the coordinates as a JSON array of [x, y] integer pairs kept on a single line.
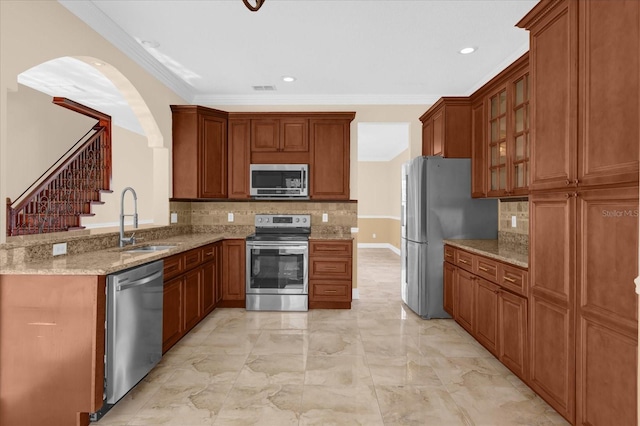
[[500, 67], [273, 99], [95, 18]]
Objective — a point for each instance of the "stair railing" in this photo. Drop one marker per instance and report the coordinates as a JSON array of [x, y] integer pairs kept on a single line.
[[57, 202]]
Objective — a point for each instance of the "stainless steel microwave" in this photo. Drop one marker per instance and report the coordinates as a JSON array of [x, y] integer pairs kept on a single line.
[[279, 180]]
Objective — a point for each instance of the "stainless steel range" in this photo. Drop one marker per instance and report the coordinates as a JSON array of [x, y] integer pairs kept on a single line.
[[278, 263]]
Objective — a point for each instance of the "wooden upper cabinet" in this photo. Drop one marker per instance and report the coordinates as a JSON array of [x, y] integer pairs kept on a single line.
[[329, 167], [280, 134], [553, 44], [265, 135], [478, 151], [239, 157], [446, 128], [608, 92], [506, 109], [199, 152]]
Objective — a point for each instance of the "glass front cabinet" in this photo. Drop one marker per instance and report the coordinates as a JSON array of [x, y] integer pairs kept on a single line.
[[507, 109]]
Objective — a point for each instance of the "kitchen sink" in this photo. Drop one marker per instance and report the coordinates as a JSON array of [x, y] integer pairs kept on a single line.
[[148, 249]]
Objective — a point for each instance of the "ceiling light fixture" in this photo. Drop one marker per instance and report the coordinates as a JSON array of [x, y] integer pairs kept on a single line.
[[467, 50], [288, 79], [252, 7]]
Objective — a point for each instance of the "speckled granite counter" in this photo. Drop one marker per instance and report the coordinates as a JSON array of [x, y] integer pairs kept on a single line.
[[514, 254], [107, 261]]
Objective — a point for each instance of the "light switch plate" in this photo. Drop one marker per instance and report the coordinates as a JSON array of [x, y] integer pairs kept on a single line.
[[230, 217], [513, 222], [174, 217], [325, 217], [59, 249]]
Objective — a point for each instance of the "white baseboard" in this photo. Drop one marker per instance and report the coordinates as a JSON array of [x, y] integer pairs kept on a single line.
[[380, 245], [355, 294]]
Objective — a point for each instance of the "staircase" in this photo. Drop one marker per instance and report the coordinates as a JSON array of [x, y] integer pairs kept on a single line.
[[67, 191]]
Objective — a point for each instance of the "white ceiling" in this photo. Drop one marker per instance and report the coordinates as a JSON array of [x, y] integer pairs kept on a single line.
[[341, 52]]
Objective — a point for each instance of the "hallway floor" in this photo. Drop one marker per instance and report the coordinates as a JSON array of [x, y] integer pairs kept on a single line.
[[376, 364]]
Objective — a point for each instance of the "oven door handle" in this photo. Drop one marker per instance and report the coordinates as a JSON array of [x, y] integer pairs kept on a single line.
[[271, 246]]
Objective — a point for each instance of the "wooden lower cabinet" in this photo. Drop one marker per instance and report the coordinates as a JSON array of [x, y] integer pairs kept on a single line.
[[493, 314], [172, 312], [233, 273], [487, 313], [191, 291], [330, 271], [449, 272], [192, 312], [465, 299], [512, 346]]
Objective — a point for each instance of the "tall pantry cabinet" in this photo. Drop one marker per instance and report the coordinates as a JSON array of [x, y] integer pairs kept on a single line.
[[583, 316]]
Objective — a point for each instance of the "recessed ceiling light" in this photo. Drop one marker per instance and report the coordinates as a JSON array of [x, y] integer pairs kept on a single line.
[[150, 44], [467, 50], [98, 64], [288, 79]]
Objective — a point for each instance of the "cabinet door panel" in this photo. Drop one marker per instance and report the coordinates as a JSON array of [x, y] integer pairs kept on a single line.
[[171, 313], [553, 99], [239, 158], [427, 137], [553, 355], [607, 381], [478, 159], [609, 91], [192, 286], [265, 135], [438, 133], [233, 276], [449, 284], [486, 320], [465, 299], [513, 333], [329, 174], [295, 134], [213, 167], [208, 287]]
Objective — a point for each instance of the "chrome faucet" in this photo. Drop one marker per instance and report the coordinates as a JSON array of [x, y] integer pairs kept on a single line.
[[132, 239]]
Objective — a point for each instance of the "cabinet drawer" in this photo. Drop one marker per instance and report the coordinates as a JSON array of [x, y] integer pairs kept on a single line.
[[464, 260], [449, 254], [208, 253], [514, 279], [330, 291], [330, 248], [173, 266], [486, 268], [330, 268], [192, 258]]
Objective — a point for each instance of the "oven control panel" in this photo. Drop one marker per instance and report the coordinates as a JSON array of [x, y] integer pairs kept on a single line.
[[282, 220]]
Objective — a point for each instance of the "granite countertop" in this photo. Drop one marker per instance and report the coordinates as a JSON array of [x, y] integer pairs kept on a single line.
[[108, 261], [515, 254]]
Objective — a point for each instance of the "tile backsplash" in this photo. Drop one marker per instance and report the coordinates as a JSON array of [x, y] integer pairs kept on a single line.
[[202, 215], [507, 209]]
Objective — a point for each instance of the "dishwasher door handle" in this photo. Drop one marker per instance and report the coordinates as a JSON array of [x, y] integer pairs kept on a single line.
[[138, 283]]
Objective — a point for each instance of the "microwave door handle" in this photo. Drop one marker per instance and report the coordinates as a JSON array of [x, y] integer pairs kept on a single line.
[[304, 178]]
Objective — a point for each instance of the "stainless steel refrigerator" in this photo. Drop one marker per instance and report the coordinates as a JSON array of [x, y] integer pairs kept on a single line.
[[437, 205]]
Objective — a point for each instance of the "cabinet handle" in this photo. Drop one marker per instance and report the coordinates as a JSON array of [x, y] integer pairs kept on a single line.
[[331, 291], [511, 280], [209, 254], [448, 255], [572, 182], [571, 195], [483, 268], [463, 261]]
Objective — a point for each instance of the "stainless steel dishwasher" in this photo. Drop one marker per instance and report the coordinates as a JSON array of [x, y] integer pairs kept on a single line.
[[134, 329]]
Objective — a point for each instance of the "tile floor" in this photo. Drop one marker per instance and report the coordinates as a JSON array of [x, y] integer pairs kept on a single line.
[[376, 364]]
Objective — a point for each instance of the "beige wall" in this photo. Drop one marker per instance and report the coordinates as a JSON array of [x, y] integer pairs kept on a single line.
[[42, 132], [34, 32]]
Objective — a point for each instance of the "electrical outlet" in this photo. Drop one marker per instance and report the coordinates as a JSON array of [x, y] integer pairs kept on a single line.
[[59, 249], [230, 217], [325, 217], [174, 217], [374, 236], [513, 222]]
